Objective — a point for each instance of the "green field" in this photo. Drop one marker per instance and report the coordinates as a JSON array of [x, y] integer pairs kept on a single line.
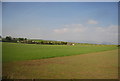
[[99, 65], [20, 52]]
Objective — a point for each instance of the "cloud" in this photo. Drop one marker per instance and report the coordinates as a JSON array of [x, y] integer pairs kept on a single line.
[[73, 28], [63, 30], [69, 32], [92, 22], [80, 33], [34, 32]]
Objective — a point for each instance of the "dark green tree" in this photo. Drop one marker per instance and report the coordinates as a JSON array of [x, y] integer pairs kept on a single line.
[[8, 38]]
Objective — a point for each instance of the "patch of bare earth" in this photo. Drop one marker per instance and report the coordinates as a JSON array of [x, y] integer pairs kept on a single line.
[[101, 65]]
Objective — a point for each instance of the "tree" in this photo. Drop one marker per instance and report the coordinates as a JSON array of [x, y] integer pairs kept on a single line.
[[14, 40], [8, 38], [0, 38], [25, 39], [20, 39]]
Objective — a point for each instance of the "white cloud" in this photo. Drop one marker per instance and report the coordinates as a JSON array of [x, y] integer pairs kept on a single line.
[[73, 28], [79, 33], [92, 22], [69, 32], [63, 30]]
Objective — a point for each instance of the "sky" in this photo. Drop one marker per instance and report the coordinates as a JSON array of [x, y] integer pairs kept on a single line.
[[91, 22], [60, 0], [0, 18]]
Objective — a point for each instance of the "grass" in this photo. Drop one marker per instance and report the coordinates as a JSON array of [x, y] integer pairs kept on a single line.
[[19, 52], [100, 65]]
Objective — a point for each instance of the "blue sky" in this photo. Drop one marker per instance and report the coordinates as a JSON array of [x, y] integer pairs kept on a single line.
[[0, 18], [67, 21]]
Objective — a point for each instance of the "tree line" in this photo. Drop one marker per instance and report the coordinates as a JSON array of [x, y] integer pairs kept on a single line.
[[29, 41]]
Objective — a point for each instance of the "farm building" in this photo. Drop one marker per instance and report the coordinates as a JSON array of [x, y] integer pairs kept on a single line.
[[70, 43]]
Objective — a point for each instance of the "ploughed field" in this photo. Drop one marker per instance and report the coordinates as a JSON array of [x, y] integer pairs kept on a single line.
[[31, 61]]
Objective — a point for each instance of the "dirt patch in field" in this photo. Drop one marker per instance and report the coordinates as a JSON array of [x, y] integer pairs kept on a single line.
[[101, 65]]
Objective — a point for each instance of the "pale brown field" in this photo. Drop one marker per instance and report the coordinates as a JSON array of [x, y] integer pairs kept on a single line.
[[100, 65]]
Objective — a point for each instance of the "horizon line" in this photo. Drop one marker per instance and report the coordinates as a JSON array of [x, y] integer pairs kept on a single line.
[[59, 1]]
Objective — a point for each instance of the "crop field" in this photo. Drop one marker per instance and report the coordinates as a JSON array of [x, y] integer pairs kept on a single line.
[[31, 61], [19, 52]]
